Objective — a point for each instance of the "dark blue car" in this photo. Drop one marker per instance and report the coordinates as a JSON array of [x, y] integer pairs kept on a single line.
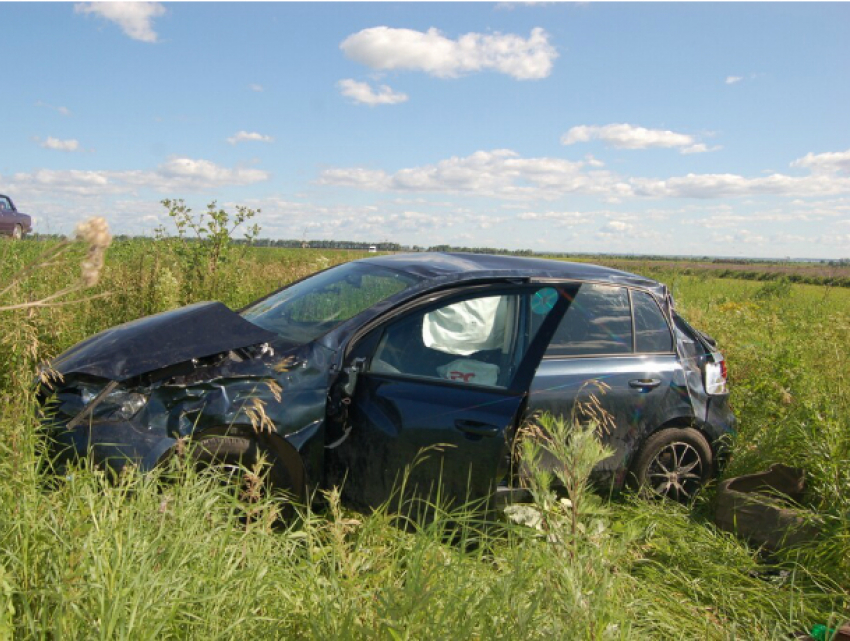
[[345, 377]]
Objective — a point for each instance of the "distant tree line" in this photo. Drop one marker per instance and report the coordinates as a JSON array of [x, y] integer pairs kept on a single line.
[[396, 247]]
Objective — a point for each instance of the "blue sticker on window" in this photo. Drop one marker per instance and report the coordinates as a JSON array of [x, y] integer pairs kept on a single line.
[[544, 300]]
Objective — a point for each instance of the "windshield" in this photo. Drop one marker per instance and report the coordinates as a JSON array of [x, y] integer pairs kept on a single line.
[[303, 312]]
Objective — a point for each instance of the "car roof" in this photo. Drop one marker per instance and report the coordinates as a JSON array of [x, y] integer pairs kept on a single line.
[[463, 266]]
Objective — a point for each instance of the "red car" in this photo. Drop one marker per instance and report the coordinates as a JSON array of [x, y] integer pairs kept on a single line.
[[12, 222]]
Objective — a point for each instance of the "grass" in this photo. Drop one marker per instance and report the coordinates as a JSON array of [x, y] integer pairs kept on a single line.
[[81, 557]]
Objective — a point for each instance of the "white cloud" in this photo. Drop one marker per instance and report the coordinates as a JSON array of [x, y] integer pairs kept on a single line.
[[836, 162], [177, 175], [700, 148], [134, 18], [247, 136], [732, 185], [256, 87], [617, 226], [592, 161], [625, 136], [499, 173], [624, 233], [841, 241], [197, 175], [60, 145], [502, 173], [731, 80], [361, 92], [559, 218], [387, 49], [61, 110]]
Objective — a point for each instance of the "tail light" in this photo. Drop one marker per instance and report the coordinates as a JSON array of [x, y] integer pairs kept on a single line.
[[715, 377]]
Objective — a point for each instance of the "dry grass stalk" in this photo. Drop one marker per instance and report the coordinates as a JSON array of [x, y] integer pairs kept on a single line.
[[94, 232]]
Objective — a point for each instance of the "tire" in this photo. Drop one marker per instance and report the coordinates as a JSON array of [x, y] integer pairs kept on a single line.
[[674, 463], [17, 232], [234, 453]]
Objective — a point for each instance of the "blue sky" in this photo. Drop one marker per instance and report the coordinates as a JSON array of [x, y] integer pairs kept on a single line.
[[697, 129]]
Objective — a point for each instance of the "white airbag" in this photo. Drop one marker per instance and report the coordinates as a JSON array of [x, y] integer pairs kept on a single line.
[[466, 327]]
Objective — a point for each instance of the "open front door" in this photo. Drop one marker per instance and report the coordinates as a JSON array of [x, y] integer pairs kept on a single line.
[[436, 407]]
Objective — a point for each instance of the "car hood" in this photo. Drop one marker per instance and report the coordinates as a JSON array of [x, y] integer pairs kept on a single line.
[[156, 342]]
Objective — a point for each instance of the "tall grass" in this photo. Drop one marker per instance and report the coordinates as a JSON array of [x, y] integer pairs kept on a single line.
[[82, 557]]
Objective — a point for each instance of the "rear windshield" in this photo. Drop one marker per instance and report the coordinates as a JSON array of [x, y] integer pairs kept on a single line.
[[310, 308]]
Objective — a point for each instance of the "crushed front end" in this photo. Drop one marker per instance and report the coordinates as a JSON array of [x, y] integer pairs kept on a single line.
[[119, 404]]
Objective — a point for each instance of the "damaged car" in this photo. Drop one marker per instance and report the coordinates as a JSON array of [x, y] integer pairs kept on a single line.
[[345, 377]]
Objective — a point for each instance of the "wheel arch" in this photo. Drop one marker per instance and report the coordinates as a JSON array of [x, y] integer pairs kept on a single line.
[[284, 451], [676, 422]]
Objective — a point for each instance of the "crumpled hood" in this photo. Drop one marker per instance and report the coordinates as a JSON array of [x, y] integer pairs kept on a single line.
[[155, 342]]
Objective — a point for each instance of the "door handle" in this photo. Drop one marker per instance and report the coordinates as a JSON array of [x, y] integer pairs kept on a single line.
[[477, 428], [644, 383]]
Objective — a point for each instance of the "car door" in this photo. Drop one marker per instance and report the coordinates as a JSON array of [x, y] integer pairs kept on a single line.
[[615, 345], [434, 410], [7, 215]]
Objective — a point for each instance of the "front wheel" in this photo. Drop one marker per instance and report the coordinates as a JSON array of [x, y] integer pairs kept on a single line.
[[17, 232], [674, 463], [233, 455]]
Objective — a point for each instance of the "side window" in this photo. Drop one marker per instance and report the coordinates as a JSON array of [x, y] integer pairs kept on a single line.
[[4, 204], [598, 321], [477, 341], [652, 334]]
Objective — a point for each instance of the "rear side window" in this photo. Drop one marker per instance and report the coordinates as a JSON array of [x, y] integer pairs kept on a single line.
[[598, 321], [652, 334]]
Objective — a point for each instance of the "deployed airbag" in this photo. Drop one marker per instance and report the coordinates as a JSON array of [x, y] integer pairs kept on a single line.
[[466, 327]]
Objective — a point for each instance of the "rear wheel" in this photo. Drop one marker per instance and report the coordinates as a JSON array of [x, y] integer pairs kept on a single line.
[[674, 463]]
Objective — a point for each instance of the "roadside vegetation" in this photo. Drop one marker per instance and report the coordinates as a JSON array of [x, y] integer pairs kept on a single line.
[[85, 557]]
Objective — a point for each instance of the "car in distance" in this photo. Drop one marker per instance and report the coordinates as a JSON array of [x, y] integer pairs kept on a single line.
[[13, 222], [344, 377]]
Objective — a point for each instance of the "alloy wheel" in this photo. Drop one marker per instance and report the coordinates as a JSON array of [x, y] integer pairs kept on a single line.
[[676, 471]]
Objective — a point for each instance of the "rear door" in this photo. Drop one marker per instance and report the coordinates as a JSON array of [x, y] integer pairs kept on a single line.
[[435, 409], [613, 344]]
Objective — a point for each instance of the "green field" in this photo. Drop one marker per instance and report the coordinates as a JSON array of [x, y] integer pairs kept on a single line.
[[83, 557]]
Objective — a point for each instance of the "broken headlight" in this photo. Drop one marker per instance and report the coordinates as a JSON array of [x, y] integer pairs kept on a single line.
[[118, 404]]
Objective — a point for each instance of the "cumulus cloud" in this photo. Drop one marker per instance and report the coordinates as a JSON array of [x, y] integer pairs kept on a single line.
[[733, 185], [502, 173], [559, 218], [731, 80], [175, 175], [836, 162], [388, 49], [134, 18], [617, 226], [700, 148], [362, 93], [60, 145], [248, 136], [625, 136], [593, 161], [198, 175]]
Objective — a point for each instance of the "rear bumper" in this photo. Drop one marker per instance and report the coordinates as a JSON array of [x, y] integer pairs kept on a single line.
[[721, 425]]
